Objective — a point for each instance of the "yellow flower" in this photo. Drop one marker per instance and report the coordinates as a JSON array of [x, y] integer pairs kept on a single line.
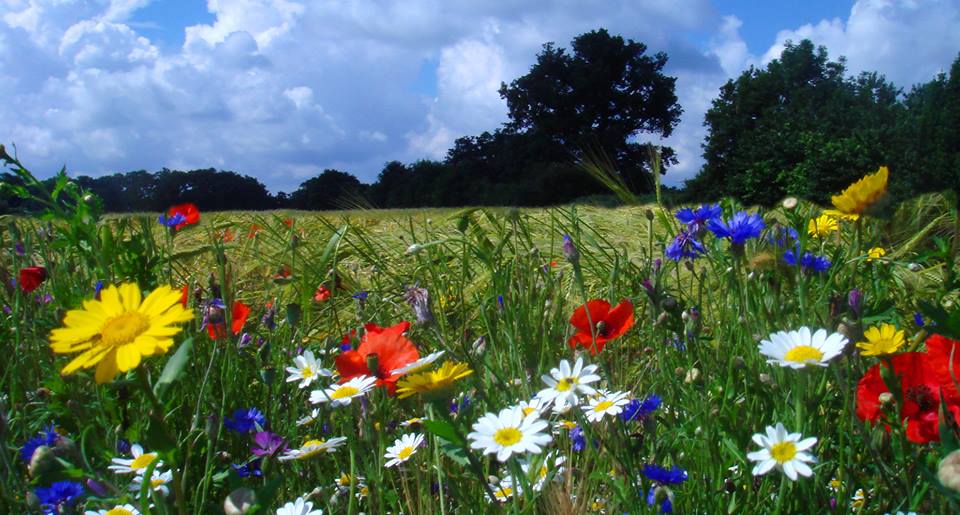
[[859, 195], [839, 215], [881, 340], [117, 330], [432, 382], [822, 226], [876, 253]]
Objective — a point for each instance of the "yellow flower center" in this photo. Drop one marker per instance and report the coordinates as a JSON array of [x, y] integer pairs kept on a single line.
[[143, 461], [344, 392], [602, 406], [311, 443], [507, 436], [803, 354], [528, 410], [405, 452], [119, 511], [566, 384], [783, 452], [344, 480], [157, 482], [307, 372], [123, 329], [504, 492]]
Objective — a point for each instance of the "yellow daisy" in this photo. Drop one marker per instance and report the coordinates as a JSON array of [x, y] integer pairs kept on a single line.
[[433, 382], [114, 332], [822, 226], [876, 253], [881, 341], [861, 194]]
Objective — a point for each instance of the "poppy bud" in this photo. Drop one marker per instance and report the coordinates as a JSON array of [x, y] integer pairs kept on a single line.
[[373, 363], [31, 277], [885, 398], [948, 472], [239, 501], [570, 250], [648, 213]]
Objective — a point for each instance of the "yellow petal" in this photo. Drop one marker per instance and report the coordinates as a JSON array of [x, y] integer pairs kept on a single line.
[[85, 319], [110, 300], [128, 357], [130, 296], [107, 369], [85, 360], [159, 300]]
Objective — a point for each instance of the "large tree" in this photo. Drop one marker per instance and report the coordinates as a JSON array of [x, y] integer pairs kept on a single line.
[[600, 97], [332, 189]]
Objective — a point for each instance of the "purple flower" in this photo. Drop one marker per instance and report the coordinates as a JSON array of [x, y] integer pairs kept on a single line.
[[570, 250], [663, 476], [696, 219], [855, 302], [742, 227], [245, 420], [266, 443], [684, 245], [58, 497], [46, 438], [638, 410], [19, 249], [419, 299]]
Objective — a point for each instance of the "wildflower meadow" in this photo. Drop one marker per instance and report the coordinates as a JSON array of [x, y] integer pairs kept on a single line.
[[713, 358]]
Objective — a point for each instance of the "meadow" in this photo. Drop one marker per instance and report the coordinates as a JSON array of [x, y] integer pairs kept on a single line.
[[713, 358]]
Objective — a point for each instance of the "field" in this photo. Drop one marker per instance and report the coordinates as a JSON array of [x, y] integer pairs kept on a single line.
[[278, 381]]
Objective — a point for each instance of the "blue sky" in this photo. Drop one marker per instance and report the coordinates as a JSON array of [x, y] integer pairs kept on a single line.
[[282, 89]]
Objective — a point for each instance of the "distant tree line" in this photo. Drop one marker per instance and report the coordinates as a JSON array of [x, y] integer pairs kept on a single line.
[[798, 126]]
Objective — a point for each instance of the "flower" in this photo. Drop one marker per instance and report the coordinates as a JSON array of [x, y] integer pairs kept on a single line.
[[266, 443], [639, 410], [876, 253], [245, 420], [742, 227], [608, 324], [434, 381], [809, 262], [301, 506], [570, 250], [188, 214], [661, 495], [564, 384], [881, 341], [172, 221], [419, 364], [419, 300], [117, 330], [798, 349], [31, 277], [784, 451], [861, 194], [344, 482], [310, 418], [323, 293], [577, 438], [663, 476], [536, 405], [138, 464], [125, 509], [251, 468], [509, 432], [920, 390], [313, 447], [254, 231], [403, 448], [505, 488], [238, 317], [605, 404], [385, 349], [684, 245], [344, 393], [158, 482], [822, 226], [59, 497], [696, 219], [46, 438], [306, 369]]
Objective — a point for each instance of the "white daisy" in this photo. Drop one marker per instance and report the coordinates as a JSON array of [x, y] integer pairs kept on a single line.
[[505, 489], [138, 464], [313, 447], [783, 451], [537, 471], [536, 405], [158, 482], [418, 364], [342, 485], [125, 509], [306, 370], [403, 448], [606, 404], [509, 432], [413, 421], [343, 394], [310, 418], [800, 348], [565, 384], [299, 507]]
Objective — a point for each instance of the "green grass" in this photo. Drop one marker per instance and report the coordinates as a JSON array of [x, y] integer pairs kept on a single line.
[[717, 390]]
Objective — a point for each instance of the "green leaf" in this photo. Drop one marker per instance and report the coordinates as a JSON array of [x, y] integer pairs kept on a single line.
[[455, 453], [444, 430], [174, 368]]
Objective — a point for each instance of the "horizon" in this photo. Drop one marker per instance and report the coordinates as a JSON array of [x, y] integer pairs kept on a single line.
[[126, 85]]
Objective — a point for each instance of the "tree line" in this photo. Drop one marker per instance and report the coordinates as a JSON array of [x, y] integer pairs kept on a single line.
[[798, 126]]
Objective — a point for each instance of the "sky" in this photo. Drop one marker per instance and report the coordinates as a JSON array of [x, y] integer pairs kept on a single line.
[[281, 89]]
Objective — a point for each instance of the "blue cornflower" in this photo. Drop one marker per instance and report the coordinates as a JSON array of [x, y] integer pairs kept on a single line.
[[59, 496], [809, 262], [662, 496], [172, 221], [684, 245], [696, 219], [457, 407], [638, 410], [742, 227], [663, 476], [251, 468], [784, 236], [918, 319], [124, 446], [361, 295], [96, 289], [245, 420], [48, 437], [576, 436]]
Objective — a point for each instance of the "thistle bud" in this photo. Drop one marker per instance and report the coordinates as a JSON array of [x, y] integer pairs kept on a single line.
[[855, 302], [239, 501], [570, 250]]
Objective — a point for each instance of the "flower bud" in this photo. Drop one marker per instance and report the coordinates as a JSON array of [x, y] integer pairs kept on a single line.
[[239, 501], [789, 202], [855, 302], [948, 472], [570, 250], [414, 249], [739, 363], [648, 213], [693, 376], [914, 267], [373, 363], [885, 398]]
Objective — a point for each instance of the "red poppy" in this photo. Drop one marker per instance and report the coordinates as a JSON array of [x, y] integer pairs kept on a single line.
[[920, 390], [238, 317], [608, 324], [226, 235], [31, 277], [323, 294], [942, 351], [392, 351], [184, 294], [254, 230], [190, 213], [400, 328], [282, 273], [346, 338], [288, 222]]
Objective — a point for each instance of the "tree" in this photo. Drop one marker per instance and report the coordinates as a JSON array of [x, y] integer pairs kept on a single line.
[[797, 127], [332, 189], [599, 98]]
